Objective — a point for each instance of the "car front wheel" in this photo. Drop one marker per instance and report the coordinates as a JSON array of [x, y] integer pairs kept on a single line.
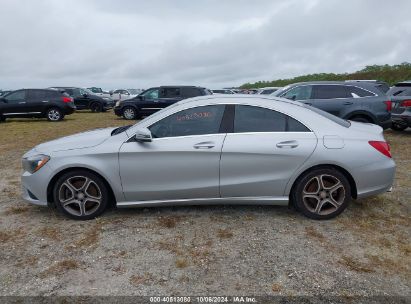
[[322, 193], [96, 107], [129, 113], [80, 195]]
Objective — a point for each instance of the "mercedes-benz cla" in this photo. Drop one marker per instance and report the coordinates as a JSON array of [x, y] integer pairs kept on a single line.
[[229, 149]]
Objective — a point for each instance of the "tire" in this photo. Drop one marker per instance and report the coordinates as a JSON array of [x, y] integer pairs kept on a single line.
[[96, 107], [398, 127], [78, 203], [362, 119], [54, 114], [2, 118], [315, 199], [129, 113]]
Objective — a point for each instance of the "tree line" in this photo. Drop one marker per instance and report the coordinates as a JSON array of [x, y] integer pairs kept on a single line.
[[391, 74]]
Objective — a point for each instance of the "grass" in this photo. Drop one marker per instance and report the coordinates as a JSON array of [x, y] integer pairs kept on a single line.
[[224, 233]]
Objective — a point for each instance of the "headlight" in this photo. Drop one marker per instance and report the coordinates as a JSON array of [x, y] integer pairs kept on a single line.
[[34, 163]]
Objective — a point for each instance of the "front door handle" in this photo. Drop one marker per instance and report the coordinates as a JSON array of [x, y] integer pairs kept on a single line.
[[307, 103], [204, 145], [347, 103], [288, 144], [22, 102]]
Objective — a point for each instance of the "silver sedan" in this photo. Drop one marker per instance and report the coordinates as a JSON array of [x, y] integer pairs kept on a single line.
[[230, 149]]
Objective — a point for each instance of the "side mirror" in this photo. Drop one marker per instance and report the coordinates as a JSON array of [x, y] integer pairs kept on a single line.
[[2, 99], [85, 95], [141, 97], [143, 135], [294, 97]]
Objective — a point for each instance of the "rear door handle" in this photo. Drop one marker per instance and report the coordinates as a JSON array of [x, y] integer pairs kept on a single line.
[[22, 102], [347, 103], [204, 145], [288, 144], [307, 103]]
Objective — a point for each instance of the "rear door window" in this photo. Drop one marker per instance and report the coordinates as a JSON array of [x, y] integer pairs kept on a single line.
[[170, 92], [257, 119], [330, 92], [191, 92], [36, 95]]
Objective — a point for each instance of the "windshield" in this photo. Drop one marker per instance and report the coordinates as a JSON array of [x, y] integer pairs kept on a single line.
[[134, 91]]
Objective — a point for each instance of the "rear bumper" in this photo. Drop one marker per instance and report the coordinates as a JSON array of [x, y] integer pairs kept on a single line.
[[69, 110], [402, 119], [375, 178]]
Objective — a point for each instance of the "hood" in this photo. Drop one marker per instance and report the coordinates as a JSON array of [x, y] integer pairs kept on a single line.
[[77, 141]]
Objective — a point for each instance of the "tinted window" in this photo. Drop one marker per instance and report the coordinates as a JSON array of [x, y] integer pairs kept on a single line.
[[300, 93], [18, 95], [151, 93], [330, 92], [268, 91], [191, 92], [36, 95], [170, 92], [355, 91], [256, 119], [295, 126], [405, 92], [195, 121]]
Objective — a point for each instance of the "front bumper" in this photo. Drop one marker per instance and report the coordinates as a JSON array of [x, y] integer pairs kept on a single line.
[[34, 186], [118, 111]]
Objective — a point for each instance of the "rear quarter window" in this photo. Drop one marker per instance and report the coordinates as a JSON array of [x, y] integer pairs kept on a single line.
[[337, 120]]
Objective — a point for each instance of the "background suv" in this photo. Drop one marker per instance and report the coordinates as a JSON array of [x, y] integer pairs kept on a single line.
[[49, 103], [154, 99], [86, 99], [362, 101]]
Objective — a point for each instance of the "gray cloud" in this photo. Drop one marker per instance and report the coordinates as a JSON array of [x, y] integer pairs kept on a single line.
[[212, 43]]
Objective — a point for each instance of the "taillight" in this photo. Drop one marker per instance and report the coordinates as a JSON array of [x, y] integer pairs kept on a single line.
[[406, 103], [67, 99], [388, 103], [382, 147]]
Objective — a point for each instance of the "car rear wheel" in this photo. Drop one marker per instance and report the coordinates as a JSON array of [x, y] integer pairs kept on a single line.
[[322, 193], [398, 127], [96, 107], [54, 114], [80, 195], [129, 113]]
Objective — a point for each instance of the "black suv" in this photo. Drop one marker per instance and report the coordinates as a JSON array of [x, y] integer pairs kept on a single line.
[[85, 99], [154, 99], [362, 101], [49, 103]]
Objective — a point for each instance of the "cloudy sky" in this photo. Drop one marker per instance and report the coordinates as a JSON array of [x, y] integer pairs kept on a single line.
[[215, 43]]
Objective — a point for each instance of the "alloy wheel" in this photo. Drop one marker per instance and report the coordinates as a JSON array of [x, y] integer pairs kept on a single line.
[[54, 115], [323, 194], [129, 113], [80, 195]]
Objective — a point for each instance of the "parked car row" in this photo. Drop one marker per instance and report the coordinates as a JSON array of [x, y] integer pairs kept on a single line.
[[366, 101]]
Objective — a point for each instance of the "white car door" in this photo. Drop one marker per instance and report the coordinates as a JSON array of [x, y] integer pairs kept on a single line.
[[182, 160], [262, 153]]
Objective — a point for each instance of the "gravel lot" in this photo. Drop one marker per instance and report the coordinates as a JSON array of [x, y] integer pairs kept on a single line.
[[216, 250]]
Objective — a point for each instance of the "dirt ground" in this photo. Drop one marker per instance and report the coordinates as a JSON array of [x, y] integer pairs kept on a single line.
[[218, 250]]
